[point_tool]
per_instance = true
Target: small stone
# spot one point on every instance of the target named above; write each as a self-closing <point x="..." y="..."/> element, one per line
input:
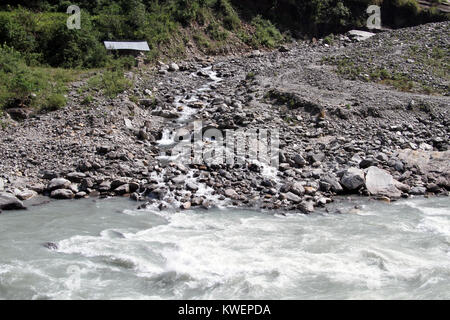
<point x="192" y="187"/>
<point x="174" y="67"/>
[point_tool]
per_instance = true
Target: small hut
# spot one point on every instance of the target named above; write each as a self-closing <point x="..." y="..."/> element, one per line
<point x="127" y="47"/>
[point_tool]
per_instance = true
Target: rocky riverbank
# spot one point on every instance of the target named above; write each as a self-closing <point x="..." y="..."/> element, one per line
<point x="337" y="136"/>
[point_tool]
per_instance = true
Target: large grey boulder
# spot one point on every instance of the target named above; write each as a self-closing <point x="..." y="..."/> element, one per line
<point x="353" y="179"/>
<point x="58" y="183"/>
<point x="380" y="183"/>
<point x="10" y="202"/>
<point x="2" y="185"/>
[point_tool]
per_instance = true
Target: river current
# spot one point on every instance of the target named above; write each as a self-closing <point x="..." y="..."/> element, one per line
<point x="106" y="249"/>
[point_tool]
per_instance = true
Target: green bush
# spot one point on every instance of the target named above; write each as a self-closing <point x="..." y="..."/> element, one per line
<point x="266" y="34"/>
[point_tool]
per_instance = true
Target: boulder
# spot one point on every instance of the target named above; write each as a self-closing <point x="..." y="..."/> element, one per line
<point x="26" y="194"/>
<point x="306" y="207"/>
<point x="418" y="191"/>
<point x="297" y="189"/>
<point x="2" y="185"/>
<point x="58" y="183"/>
<point x="292" y="197"/>
<point x="62" y="194"/>
<point x="230" y="193"/>
<point x="380" y="183"/>
<point x="10" y="202"/>
<point x="123" y="189"/>
<point x="353" y="179"/>
<point x="76" y="176"/>
<point x="333" y="182"/>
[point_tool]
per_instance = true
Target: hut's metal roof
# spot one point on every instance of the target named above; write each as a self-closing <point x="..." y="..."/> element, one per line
<point x="127" y="45"/>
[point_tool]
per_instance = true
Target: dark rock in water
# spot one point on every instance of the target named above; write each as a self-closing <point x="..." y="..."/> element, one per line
<point x="62" y="194"/>
<point x="353" y="179"/>
<point x="58" y="183"/>
<point x="123" y="189"/>
<point x="10" y="202"/>
<point x="51" y="246"/>
<point x="145" y="205"/>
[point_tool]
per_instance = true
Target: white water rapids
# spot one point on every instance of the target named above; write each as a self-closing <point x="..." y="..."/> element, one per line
<point x="109" y="250"/>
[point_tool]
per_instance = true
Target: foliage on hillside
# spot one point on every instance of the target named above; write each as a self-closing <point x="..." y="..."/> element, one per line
<point x="35" y="38"/>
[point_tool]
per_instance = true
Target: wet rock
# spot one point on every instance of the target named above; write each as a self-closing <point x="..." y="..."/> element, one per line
<point x="26" y="194"/>
<point x="192" y="187"/>
<point x="62" y="194"/>
<point x="186" y="206"/>
<point x="123" y="189"/>
<point x="179" y="180"/>
<point x="333" y="183"/>
<point x="80" y="195"/>
<point x="58" y="183"/>
<point x="51" y="245"/>
<point x="402" y="187"/>
<point x="418" y="191"/>
<point x="306" y="207"/>
<point x="353" y="179"/>
<point x="10" y="202"/>
<point x="380" y="183"/>
<point x="230" y="193"/>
